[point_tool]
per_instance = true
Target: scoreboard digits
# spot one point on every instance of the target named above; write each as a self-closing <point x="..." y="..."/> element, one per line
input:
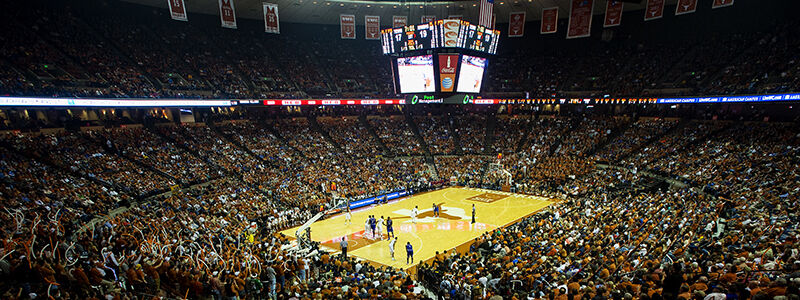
<point x="439" y="34"/>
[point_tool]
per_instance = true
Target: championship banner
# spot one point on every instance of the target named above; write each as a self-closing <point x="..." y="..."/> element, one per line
<point x="460" y="17"/>
<point x="721" y="3"/>
<point x="654" y="10"/>
<point x="613" y="13"/>
<point x="347" y="26"/>
<point x="399" y="21"/>
<point x="580" y="19"/>
<point x="516" y="24"/>
<point x="227" y="14"/>
<point x="372" y="24"/>
<point x="447" y="71"/>
<point x="549" y="20"/>
<point x="685" y="7"/>
<point x="177" y="10"/>
<point x="428" y="19"/>
<point x="271" y="21"/>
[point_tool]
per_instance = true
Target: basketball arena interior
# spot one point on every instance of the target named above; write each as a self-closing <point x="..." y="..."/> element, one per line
<point x="400" y="149"/>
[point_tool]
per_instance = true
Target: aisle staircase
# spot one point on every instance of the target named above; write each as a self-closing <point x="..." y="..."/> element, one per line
<point x="236" y="143"/>
<point x="451" y="125"/>
<point x="312" y="121"/>
<point x="615" y="132"/>
<point x="371" y="130"/>
<point x="283" y="140"/>
<point x="418" y="136"/>
<point x="488" y="140"/>
<point x="526" y="131"/>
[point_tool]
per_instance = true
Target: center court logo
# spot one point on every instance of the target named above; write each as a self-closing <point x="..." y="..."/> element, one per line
<point x="426" y="215"/>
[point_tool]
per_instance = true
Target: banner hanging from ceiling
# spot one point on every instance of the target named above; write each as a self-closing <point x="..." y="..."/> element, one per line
<point x="372" y="27"/>
<point x="685" y="7"/>
<point x="613" y="13"/>
<point x="580" y="19"/>
<point x="721" y="3"/>
<point x="177" y="10"/>
<point x="399" y="21"/>
<point x="516" y="24"/>
<point x="271" y="21"/>
<point x="549" y="20"/>
<point x="227" y="13"/>
<point x="654" y="10"/>
<point x="347" y="26"/>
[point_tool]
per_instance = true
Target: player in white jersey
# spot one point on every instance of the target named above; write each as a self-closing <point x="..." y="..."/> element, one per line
<point x="414" y="213"/>
<point x="367" y="232"/>
<point x="347" y="217"/>
<point x="378" y="230"/>
<point x="391" y="246"/>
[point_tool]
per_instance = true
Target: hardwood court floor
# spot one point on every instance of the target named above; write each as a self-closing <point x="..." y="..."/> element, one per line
<point x="493" y="210"/>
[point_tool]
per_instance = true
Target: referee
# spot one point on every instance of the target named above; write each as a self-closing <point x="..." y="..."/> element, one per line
<point x="343" y="244"/>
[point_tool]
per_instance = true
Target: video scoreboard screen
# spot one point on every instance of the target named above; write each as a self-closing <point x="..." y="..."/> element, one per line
<point x="439" y="74"/>
<point x="416" y="74"/>
<point x="470" y="78"/>
<point x="448" y="33"/>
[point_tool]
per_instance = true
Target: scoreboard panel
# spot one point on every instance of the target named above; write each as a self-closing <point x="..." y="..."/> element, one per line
<point x="480" y="38"/>
<point x="447" y="33"/>
<point x="410" y="38"/>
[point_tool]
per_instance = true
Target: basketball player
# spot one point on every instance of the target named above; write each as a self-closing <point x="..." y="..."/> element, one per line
<point x="347" y="216"/>
<point x="409" y="253"/>
<point x="391" y="247"/>
<point x="366" y="229"/>
<point x="372" y="224"/>
<point x="435" y="210"/>
<point x="378" y="229"/>
<point x="389" y="228"/>
<point x="414" y="213"/>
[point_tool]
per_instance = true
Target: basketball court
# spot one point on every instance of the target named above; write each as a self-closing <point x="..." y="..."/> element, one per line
<point x="451" y="229"/>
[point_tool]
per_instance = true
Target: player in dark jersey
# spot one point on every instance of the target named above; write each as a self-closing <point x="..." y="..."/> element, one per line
<point x="409" y="253"/>
<point x="389" y="228"/>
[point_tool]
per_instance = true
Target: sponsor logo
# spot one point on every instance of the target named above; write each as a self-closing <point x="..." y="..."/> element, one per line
<point x="447" y="83"/>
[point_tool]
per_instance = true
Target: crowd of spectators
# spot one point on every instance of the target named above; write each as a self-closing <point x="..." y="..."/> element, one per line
<point x="143" y="145"/>
<point x="471" y="130"/>
<point x="395" y="133"/>
<point x="635" y="136"/>
<point x="609" y="242"/>
<point x="84" y="152"/>
<point x="513" y="130"/>
<point x="466" y="169"/>
<point x="743" y="160"/>
<point x="352" y="136"/>
<point x="437" y="133"/>
<point x="612" y="232"/>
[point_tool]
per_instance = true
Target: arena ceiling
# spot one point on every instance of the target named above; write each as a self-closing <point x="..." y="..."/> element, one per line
<point x="328" y="11"/>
